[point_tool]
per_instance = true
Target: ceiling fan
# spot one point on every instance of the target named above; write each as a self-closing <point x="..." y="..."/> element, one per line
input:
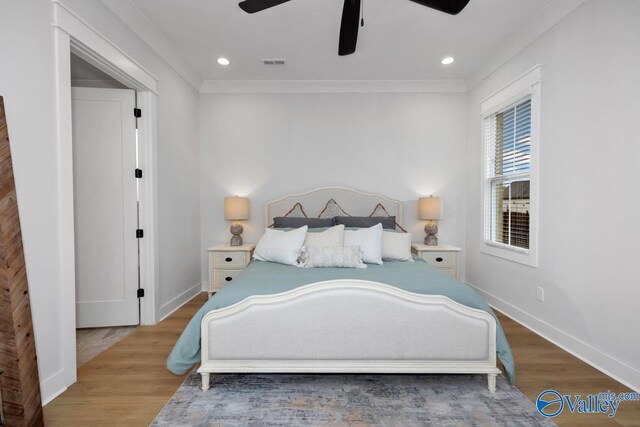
<point x="351" y="16"/>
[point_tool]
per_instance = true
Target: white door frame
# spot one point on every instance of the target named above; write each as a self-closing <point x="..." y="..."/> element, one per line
<point x="73" y="34"/>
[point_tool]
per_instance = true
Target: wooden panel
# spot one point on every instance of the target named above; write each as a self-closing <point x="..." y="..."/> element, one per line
<point x="19" y="383"/>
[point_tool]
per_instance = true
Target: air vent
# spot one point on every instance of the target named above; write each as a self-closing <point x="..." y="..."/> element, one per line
<point x="273" y="61"/>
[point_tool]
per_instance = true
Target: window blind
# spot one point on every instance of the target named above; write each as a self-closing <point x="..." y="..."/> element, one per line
<point x="508" y="169"/>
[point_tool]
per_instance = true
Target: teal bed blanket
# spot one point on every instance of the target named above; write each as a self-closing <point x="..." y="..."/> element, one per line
<point x="262" y="278"/>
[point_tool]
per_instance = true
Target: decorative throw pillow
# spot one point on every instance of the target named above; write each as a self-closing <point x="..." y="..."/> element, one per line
<point x="333" y="256"/>
<point x="297" y="211"/>
<point x="388" y="222"/>
<point x="280" y="246"/>
<point x="333" y="236"/>
<point x="331" y="209"/>
<point x="297" y="222"/>
<point x="396" y="246"/>
<point x="379" y="210"/>
<point x="369" y="240"/>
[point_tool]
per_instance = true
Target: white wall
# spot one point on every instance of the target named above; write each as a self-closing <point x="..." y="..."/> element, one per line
<point x="26" y="83"/>
<point x="590" y="155"/>
<point x="267" y="145"/>
<point x="27" y="78"/>
<point x="178" y="194"/>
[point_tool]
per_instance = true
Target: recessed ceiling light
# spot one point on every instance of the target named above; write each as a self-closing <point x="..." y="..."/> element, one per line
<point x="223" y="61"/>
<point x="448" y="60"/>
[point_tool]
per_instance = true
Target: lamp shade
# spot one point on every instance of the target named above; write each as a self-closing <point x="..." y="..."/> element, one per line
<point x="429" y="207"/>
<point x="236" y="208"/>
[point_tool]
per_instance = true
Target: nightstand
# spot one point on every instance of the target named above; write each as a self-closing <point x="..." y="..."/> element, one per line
<point x="442" y="257"/>
<point x="226" y="262"/>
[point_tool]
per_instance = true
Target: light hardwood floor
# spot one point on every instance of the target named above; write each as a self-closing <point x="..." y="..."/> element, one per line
<point x="541" y="365"/>
<point x="128" y="384"/>
<point x="91" y="342"/>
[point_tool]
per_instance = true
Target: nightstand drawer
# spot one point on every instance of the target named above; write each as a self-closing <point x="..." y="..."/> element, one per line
<point x="223" y="277"/>
<point x="440" y="259"/>
<point x="231" y="260"/>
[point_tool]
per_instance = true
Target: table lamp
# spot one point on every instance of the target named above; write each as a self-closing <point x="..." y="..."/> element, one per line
<point x="429" y="208"/>
<point x="236" y="209"/>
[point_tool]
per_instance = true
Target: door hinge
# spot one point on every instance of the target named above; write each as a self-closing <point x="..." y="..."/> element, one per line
<point x="140" y="293"/>
<point x="139" y="233"/>
<point x="138" y="173"/>
<point x="137" y="113"/>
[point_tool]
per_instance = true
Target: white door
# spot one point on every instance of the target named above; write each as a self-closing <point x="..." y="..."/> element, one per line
<point x="105" y="207"/>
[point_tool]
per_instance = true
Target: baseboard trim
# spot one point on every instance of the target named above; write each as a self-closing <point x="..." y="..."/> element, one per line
<point x="52" y="387"/>
<point x="605" y="363"/>
<point x="167" y="309"/>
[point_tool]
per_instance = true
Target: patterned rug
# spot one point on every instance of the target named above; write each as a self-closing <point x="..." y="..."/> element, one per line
<point x="348" y="400"/>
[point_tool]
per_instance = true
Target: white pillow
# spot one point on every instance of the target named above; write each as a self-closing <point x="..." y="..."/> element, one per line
<point x="333" y="236"/>
<point x="369" y="240"/>
<point x="396" y="246"/>
<point x="280" y="246"/>
<point x="333" y="256"/>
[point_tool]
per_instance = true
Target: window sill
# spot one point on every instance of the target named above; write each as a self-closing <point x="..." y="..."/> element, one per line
<point x="510" y="253"/>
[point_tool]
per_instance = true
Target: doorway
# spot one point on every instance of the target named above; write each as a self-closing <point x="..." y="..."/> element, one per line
<point x="73" y="35"/>
<point x="105" y="192"/>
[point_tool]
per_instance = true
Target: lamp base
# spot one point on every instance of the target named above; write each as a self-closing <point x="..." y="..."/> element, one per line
<point x="431" y="228"/>
<point x="431" y="240"/>
<point x="236" y="229"/>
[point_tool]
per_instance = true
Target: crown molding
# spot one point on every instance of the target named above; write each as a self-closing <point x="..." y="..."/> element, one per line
<point x="149" y="33"/>
<point x="529" y="33"/>
<point x="333" y="86"/>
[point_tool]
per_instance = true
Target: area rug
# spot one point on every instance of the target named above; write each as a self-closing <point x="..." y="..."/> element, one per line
<point x="348" y="400"/>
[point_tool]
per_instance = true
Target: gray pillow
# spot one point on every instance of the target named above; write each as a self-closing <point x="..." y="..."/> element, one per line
<point x="388" y="222"/>
<point x="297" y="222"/>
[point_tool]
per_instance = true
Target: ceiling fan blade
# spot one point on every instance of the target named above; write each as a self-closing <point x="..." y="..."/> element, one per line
<point x="452" y="7"/>
<point x="253" y="6"/>
<point x="349" y="27"/>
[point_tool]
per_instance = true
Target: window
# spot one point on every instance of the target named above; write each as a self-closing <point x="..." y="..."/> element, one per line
<point x="508" y="151"/>
<point x="511" y="119"/>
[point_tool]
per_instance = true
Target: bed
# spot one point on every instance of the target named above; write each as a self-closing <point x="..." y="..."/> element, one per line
<point x="399" y="317"/>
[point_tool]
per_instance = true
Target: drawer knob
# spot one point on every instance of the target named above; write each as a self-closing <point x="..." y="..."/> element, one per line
<point x="228" y="279"/>
<point x="439" y="259"/>
<point x="228" y="259"/>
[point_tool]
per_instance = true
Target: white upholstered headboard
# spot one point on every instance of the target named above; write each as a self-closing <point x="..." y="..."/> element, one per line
<point x="353" y="202"/>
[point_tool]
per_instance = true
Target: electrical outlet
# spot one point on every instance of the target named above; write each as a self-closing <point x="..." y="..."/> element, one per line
<point x="540" y="293"/>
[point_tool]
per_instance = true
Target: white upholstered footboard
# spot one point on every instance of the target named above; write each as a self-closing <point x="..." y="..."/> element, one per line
<point x="350" y="326"/>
